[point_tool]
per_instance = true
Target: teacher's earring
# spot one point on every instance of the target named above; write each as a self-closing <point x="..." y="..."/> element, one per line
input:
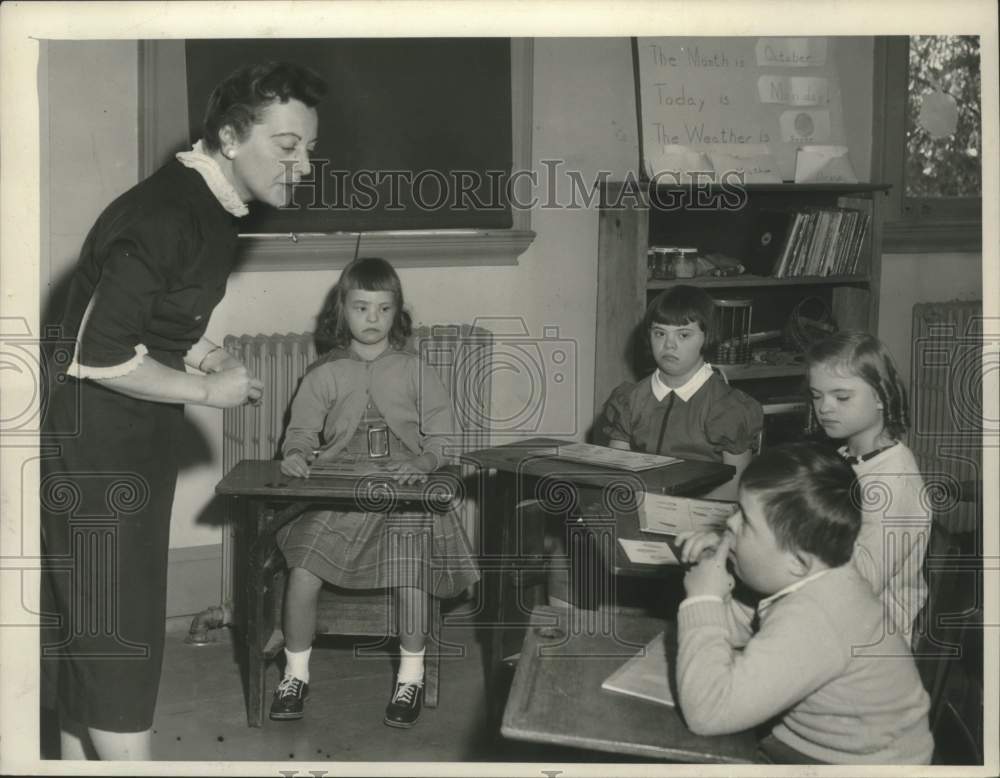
<point x="230" y="153"/>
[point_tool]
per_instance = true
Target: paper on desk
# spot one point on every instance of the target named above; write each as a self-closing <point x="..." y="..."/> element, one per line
<point x="619" y="459"/>
<point x="646" y="675"/>
<point x="648" y="552"/>
<point x="346" y="464"/>
<point x="670" y="515"/>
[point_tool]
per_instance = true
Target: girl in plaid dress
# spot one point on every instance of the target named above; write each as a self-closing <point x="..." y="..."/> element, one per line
<point x="369" y="397"/>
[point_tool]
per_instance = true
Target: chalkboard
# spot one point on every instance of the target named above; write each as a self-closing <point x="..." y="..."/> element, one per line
<point x="413" y="134"/>
<point x="733" y="96"/>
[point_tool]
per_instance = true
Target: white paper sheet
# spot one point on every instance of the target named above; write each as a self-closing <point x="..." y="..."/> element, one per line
<point x="824" y="164"/>
<point x="669" y="515"/>
<point x="648" y="552"/>
<point x="793" y="90"/>
<point x="791" y="52"/>
<point x="603" y="456"/>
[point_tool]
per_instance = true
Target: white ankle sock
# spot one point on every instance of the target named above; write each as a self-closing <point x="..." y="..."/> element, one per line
<point x="411" y="666"/>
<point x="297" y="664"/>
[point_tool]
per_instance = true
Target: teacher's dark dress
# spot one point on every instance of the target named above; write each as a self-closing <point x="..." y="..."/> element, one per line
<point x="151" y="271"/>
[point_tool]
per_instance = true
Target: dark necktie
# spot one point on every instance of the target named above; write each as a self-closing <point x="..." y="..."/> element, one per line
<point x="663" y="424"/>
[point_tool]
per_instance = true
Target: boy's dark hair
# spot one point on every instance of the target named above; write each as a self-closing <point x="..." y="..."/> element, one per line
<point x="865" y="356"/>
<point x="682" y="305"/>
<point x="372" y="274"/>
<point x="238" y="99"/>
<point x="810" y="498"/>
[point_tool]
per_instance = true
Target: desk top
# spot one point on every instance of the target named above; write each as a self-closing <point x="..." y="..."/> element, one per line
<point x="263" y="478"/>
<point x="557" y="699"/>
<point x="535" y="458"/>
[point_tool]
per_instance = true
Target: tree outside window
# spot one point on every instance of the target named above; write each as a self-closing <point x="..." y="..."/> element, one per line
<point x="929" y="88"/>
<point x="943" y="138"/>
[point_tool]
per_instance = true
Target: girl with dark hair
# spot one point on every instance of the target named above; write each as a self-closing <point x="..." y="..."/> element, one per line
<point x="370" y="398"/>
<point x="372" y="275"/>
<point x="151" y="271"/>
<point x="685" y="408"/>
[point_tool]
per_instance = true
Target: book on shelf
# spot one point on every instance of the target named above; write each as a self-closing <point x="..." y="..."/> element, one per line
<point x="646" y="675"/>
<point x="823" y="242"/>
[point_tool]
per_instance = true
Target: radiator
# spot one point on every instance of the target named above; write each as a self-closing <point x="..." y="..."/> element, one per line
<point x="946" y="406"/>
<point x="255" y="432"/>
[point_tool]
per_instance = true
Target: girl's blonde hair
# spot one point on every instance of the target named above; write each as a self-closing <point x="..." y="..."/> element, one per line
<point x="867" y="357"/>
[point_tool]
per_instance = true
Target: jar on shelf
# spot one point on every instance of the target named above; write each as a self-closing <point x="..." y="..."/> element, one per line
<point x="659" y="263"/>
<point x="685" y="262"/>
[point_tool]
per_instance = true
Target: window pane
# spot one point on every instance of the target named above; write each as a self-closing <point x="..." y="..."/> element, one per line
<point x="943" y="139"/>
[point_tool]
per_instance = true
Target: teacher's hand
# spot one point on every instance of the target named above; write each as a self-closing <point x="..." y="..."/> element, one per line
<point x="232" y="387"/>
<point x="256" y="391"/>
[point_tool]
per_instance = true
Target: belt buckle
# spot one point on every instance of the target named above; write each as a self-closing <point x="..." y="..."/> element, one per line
<point x="378" y="441"/>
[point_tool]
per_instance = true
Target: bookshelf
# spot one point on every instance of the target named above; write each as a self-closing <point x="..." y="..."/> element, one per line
<point x="722" y="219"/>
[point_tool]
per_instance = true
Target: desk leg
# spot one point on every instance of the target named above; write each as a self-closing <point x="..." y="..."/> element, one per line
<point x="498" y="532"/>
<point x="255" y="617"/>
<point x="590" y="545"/>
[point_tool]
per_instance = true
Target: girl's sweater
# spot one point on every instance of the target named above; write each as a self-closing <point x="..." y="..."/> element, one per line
<point x="331" y="402"/>
<point x="895" y="529"/>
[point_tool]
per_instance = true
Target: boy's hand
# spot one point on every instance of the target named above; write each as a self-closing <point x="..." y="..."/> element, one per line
<point x="412" y="471"/>
<point x="295" y="465"/>
<point x="695" y="543"/>
<point x="709" y="576"/>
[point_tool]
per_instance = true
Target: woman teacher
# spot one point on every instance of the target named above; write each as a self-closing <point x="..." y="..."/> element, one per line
<point x="150" y="273"/>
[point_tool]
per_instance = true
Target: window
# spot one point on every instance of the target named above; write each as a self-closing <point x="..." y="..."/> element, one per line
<point x="930" y="145"/>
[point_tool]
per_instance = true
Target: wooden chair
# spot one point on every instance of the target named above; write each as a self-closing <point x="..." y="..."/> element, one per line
<point x="461" y="355"/>
<point x="947" y="643"/>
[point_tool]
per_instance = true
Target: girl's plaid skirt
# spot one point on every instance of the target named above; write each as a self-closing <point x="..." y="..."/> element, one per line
<point x="367" y="550"/>
<point x="363" y="550"/>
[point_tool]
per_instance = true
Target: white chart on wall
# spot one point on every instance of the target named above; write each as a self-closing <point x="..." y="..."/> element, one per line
<point x="737" y="93"/>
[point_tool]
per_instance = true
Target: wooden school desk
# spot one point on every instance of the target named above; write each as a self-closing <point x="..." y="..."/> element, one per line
<point x="272" y="500"/>
<point x="556" y="697"/>
<point x="511" y="552"/>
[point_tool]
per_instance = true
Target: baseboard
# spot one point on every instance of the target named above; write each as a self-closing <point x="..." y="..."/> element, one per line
<point x="194" y="579"/>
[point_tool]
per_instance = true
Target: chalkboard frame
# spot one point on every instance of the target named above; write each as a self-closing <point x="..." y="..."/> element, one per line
<point x="163" y="129"/>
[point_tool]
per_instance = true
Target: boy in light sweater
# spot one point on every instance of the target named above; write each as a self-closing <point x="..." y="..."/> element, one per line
<point x="814" y="656"/>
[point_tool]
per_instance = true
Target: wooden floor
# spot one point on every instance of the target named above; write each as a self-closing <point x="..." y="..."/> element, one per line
<point x="200" y="714"/>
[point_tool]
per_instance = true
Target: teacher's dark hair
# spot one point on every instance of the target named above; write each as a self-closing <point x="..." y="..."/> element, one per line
<point x="238" y="100"/>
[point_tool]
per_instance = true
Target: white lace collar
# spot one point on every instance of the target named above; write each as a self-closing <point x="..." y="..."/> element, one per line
<point x="215" y="178"/>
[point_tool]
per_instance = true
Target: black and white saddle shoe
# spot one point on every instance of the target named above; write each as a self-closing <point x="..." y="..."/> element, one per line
<point x="404" y="707"/>
<point x="288" y="699"/>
